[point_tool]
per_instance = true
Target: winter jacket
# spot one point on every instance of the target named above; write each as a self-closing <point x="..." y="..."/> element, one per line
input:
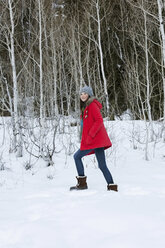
<point x="94" y="134"/>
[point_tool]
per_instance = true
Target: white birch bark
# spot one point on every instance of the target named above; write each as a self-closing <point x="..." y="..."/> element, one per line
<point x="160" y="10"/>
<point x="55" y="111"/>
<point x="75" y="66"/>
<point x="148" y="90"/>
<point x="79" y="60"/>
<point x="16" y="126"/>
<point x="101" y="57"/>
<point x="147" y="69"/>
<point x="41" y="81"/>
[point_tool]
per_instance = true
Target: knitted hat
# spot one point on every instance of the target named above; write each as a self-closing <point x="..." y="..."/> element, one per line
<point x="86" y="89"/>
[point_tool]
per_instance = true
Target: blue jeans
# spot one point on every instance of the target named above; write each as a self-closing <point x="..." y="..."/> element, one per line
<point x="100" y="155"/>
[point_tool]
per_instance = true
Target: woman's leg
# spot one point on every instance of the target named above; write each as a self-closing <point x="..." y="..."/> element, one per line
<point x="100" y="155"/>
<point x="77" y="157"/>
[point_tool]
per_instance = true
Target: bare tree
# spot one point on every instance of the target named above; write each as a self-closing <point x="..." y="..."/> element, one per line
<point x="13" y="97"/>
<point x="161" y="7"/>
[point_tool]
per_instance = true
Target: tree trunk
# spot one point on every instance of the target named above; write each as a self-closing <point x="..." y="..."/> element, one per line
<point x="160" y="10"/>
<point x="101" y="58"/>
<point x="42" y="121"/>
<point x="16" y="125"/>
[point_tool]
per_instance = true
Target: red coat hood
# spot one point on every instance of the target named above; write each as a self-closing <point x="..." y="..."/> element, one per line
<point x="93" y="99"/>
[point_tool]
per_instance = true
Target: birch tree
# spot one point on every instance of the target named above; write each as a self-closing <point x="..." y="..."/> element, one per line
<point x="42" y="119"/>
<point x="98" y="20"/>
<point x="161" y="6"/>
<point x="10" y="42"/>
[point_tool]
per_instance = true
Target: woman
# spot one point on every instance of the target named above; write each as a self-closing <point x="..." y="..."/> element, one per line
<point x="94" y="139"/>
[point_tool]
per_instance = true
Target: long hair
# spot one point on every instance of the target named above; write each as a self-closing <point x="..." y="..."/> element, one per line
<point x="83" y="106"/>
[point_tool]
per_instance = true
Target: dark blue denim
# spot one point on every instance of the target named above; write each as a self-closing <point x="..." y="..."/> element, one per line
<point x="100" y="155"/>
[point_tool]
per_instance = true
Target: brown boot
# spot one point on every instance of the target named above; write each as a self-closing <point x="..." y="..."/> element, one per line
<point x="113" y="187"/>
<point x="81" y="184"/>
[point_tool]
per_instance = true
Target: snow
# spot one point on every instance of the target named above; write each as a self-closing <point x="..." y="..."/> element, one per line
<point x="37" y="210"/>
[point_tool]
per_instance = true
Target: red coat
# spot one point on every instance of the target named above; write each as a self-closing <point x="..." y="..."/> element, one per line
<point x="94" y="134"/>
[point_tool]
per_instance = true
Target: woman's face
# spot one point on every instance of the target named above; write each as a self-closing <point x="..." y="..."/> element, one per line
<point x="84" y="96"/>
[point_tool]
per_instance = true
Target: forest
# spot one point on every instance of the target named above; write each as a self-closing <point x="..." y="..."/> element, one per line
<point x="50" y="49"/>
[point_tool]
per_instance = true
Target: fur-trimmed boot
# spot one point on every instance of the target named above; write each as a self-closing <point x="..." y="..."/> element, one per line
<point x="113" y="187"/>
<point x="81" y="183"/>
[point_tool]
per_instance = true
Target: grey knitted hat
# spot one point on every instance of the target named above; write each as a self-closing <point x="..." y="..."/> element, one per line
<point x="86" y="89"/>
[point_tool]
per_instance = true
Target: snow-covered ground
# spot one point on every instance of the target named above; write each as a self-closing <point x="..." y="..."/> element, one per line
<point x="37" y="210"/>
